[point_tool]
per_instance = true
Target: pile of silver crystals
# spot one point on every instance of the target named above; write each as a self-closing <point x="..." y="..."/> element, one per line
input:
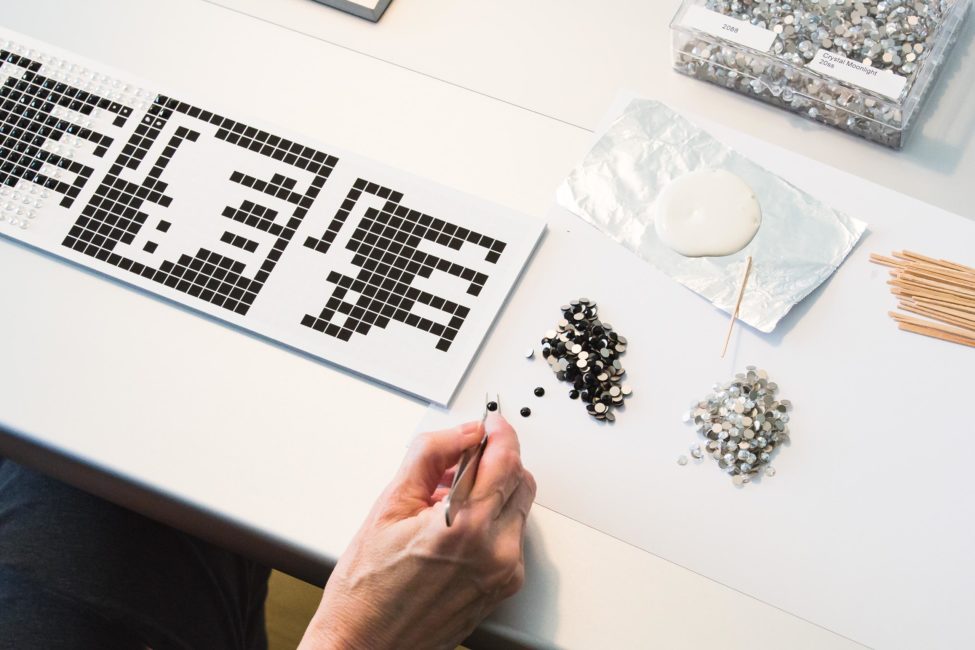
<point x="908" y="38"/>
<point x="743" y="422"/>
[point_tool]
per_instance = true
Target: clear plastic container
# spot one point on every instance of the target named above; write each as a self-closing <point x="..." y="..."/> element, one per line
<point x="864" y="66"/>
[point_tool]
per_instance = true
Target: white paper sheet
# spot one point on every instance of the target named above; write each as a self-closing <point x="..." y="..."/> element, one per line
<point x="866" y="529"/>
<point x="388" y="275"/>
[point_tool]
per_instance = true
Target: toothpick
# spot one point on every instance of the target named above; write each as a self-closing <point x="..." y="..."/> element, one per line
<point x="936" y="334"/>
<point x="734" y="314"/>
<point x="960" y="331"/>
<point x="931" y="260"/>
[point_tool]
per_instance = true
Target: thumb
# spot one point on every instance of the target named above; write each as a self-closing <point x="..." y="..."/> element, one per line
<point x="430" y="455"/>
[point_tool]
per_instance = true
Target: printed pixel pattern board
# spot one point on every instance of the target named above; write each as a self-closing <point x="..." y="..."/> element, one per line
<point x="388" y="275"/>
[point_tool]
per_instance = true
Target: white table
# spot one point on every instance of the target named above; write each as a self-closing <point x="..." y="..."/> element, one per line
<point x="279" y="456"/>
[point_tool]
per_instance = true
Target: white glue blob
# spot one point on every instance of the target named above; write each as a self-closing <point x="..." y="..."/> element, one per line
<point x="707" y="213"/>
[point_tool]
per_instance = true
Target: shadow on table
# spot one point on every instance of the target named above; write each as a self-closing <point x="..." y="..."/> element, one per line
<point x="535" y="607"/>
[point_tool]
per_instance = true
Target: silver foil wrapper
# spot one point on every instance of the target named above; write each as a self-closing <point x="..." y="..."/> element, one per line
<point x="800" y="243"/>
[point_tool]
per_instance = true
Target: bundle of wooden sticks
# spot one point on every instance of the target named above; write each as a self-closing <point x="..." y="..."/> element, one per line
<point x="941" y="291"/>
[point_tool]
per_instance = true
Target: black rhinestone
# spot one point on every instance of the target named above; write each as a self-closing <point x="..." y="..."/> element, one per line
<point x="539" y="391"/>
<point x="525" y="412"/>
<point x="492" y="406"/>
<point x="573" y="394"/>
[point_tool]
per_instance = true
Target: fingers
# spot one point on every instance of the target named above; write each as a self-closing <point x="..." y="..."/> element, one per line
<point x="510" y="524"/>
<point x="513" y="585"/>
<point x="448" y="477"/>
<point x="439" y="494"/>
<point x="430" y="456"/>
<point x="500" y="471"/>
<point x="509" y="544"/>
<point x="515" y="511"/>
<point x="501" y="432"/>
<point x="443" y="488"/>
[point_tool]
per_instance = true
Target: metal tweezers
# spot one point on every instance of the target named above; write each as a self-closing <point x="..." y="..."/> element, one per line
<point x="466" y="472"/>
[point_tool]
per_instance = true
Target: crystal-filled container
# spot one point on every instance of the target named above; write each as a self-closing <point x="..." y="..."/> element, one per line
<point x="864" y="66"/>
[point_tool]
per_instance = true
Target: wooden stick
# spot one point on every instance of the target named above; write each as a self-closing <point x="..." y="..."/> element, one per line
<point x="936" y="289"/>
<point x="940" y="276"/>
<point x="943" y="266"/>
<point x="931" y="260"/>
<point x="947" y="329"/>
<point x="957" y="310"/>
<point x="898" y="288"/>
<point x="954" y="265"/>
<point x="955" y="313"/>
<point x="886" y="261"/>
<point x="925" y="268"/>
<point x="951" y="320"/>
<point x="910" y="255"/>
<point x="933" y="273"/>
<point x="952" y="284"/>
<point x="940" y="268"/>
<point x="944" y="293"/>
<point x="734" y="314"/>
<point x="934" y="285"/>
<point x="933" y="295"/>
<point x="907" y="327"/>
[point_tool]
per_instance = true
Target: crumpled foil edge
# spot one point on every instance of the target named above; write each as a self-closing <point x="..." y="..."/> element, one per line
<point x="800" y="244"/>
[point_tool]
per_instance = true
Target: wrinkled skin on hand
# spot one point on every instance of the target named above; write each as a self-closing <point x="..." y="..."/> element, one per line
<point x="409" y="581"/>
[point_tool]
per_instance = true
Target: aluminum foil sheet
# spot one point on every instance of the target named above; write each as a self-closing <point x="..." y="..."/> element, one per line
<point x="800" y="243"/>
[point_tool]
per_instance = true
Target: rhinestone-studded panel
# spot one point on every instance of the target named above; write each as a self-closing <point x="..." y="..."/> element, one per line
<point x="57" y="119"/>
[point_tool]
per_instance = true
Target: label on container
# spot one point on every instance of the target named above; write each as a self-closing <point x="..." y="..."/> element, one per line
<point x="882" y="82"/>
<point x="730" y="29"/>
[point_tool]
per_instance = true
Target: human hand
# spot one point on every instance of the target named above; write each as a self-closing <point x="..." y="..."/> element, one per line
<point x="409" y="581"/>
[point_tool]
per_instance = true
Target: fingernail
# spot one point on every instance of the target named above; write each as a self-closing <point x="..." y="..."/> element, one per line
<point x="495" y="417"/>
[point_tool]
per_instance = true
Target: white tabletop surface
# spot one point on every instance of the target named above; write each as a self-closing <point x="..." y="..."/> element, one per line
<point x="493" y="98"/>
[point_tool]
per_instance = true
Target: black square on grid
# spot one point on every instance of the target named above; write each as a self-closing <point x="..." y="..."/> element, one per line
<point x="385" y="244"/>
<point x="150" y="247"/>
